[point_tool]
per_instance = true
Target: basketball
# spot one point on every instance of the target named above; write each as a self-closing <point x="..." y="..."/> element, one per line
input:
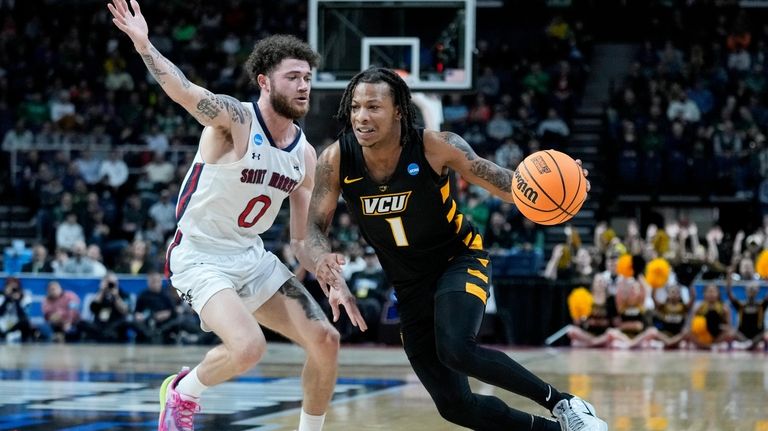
<point x="549" y="187"/>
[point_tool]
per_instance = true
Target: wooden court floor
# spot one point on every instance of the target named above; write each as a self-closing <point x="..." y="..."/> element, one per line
<point x="92" y="388"/>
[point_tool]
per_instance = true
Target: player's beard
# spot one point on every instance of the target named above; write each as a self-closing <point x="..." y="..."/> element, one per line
<point x="282" y="105"/>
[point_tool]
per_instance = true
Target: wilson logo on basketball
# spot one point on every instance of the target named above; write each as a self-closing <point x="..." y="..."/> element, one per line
<point x="540" y="165"/>
<point x="527" y="191"/>
<point x="385" y="204"/>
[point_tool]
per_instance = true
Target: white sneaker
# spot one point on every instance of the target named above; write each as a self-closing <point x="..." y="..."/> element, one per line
<point x="578" y="415"/>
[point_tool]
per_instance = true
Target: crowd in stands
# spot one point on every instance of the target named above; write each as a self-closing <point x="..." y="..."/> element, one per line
<point x="691" y="114"/>
<point x="108" y="315"/>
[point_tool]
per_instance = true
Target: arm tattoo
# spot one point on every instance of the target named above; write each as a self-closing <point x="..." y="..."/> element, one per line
<point x="210" y="106"/>
<point x="458" y="142"/>
<point x="499" y="177"/>
<point x="154" y="69"/>
<point x="236" y="109"/>
<point x="319" y="223"/>
<point x="494" y="174"/>
<point x="294" y="290"/>
<point x="323" y="173"/>
<point x="154" y="58"/>
<point x="179" y="74"/>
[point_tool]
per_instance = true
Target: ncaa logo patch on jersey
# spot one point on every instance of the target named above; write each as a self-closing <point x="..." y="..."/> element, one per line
<point x="258" y="139"/>
<point x="413" y="169"/>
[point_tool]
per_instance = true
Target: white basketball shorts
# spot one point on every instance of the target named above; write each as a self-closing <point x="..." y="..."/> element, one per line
<point x="255" y="274"/>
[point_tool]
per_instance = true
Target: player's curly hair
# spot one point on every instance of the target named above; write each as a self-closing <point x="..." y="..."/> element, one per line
<point x="270" y="51"/>
<point x="399" y="90"/>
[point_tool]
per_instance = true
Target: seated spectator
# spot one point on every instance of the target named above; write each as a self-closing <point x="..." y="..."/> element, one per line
<point x="671" y="316"/>
<point x="155" y="314"/>
<point x="69" y="232"/>
<point x="156" y="140"/>
<point x="14" y="321"/>
<point x="114" y="171"/>
<point x="63" y="112"/>
<point x="135" y="259"/>
<point x="134" y="215"/>
<point x="345" y="231"/>
<point x="353" y="254"/>
<point x="751" y="330"/>
<point x="681" y="108"/>
<point x="88" y="167"/>
<point x="716" y="316"/>
<point x="79" y="263"/>
<point x="163" y="212"/>
<point x="455" y="114"/>
<point x="39" y="263"/>
<point x="159" y="171"/>
<point x="500" y="127"/>
<point x="61" y="309"/>
<point x="553" y="131"/>
<point x="509" y="154"/>
<point x="498" y="234"/>
<point x="94" y="253"/>
<point x="630" y="320"/>
<point x="110" y="311"/>
<point x="17" y="138"/>
<point x="592" y="331"/>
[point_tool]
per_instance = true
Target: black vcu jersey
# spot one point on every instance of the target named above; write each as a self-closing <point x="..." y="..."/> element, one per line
<point x="411" y="220"/>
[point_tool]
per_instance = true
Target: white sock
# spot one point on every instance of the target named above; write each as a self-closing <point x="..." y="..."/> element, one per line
<point x="190" y="385"/>
<point x="309" y="422"/>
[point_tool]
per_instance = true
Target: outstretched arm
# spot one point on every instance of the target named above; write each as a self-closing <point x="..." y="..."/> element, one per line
<point x="300" y="201"/>
<point x="318" y="253"/>
<point x="451" y="150"/>
<point x="209" y="109"/>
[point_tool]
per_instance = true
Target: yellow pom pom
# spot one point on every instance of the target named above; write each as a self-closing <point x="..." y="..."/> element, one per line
<point x="624" y="266"/>
<point x="580" y="303"/>
<point x="699" y="330"/>
<point x="761" y="264"/>
<point x="657" y="272"/>
<point x="661" y="242"/>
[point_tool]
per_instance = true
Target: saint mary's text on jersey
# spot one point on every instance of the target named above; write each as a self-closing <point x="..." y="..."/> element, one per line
<point x="276" y="180"/>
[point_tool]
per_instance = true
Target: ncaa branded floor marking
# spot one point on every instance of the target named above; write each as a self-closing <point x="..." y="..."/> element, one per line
<point x="38" y="400"/>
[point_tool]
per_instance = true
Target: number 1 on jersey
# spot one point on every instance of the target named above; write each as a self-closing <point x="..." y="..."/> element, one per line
<point x="398" y="231"/>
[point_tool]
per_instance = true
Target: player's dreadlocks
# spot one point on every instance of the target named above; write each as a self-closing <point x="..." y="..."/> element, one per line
<point x="399" y="91"/>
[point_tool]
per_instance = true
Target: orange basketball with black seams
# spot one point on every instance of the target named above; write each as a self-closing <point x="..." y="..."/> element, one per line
<point x="549" y="187"/>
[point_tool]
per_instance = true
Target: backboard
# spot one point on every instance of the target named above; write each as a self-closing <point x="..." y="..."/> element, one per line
<point x="430" y="42"/>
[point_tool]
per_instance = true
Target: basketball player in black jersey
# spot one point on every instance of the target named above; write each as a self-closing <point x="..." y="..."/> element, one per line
<point x="394" y="179"/>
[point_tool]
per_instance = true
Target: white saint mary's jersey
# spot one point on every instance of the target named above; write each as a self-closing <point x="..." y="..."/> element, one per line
<point x="224" y="207"/>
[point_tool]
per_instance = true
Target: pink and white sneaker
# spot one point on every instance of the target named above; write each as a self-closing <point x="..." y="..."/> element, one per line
<point x="176" y="413"/>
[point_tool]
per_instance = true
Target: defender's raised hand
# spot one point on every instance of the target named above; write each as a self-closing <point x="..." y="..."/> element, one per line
<point x="131" y="23"/>
<point x="341" y="296"/>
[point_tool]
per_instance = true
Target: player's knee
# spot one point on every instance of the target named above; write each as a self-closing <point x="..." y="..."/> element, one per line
<point x="455" y="352"/>
<point x="325" y="339"/>
<point x="451" y="408"/>
<point x="248" y="354"/>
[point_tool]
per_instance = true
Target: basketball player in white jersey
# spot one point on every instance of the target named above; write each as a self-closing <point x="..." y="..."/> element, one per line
<point x="250" y="159"/>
